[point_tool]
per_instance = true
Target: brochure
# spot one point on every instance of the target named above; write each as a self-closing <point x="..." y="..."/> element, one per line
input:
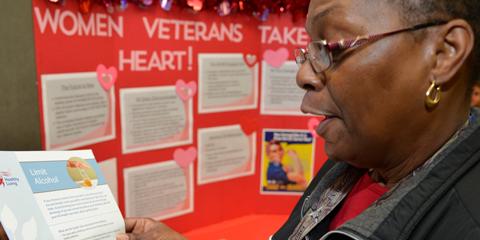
<point x="56" y="195"/>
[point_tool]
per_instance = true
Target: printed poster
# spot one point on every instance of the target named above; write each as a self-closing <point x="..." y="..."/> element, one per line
<point x="287" y="161"/>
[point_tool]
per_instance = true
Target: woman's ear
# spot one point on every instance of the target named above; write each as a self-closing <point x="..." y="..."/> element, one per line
<point x="452" y="49"/>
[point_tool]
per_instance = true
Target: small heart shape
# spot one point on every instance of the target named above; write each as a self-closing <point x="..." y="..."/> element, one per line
<point x="312" y="125"/>
<point x="249" y="125"/>
<point x="250" y="60"/>
<point x="106" y="77"/>
<point x="185" y="90"/>
<point x="197" y="5"/>
<point x="276" y="58"/>
<point x="185" y="157"/>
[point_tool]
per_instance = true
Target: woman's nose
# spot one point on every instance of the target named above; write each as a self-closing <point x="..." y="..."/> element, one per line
<point x="307" y="79"/>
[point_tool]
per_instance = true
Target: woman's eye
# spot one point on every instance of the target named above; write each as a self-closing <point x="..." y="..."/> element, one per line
<point x="337" y="54"/>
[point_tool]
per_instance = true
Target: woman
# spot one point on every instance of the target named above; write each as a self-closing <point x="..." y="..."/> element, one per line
<point x="402" y="138"/>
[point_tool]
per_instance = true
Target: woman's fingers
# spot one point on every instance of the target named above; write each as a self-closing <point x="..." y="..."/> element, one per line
<point x="147" y="229"/>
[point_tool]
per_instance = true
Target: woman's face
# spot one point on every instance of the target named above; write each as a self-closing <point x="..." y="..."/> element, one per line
<point x="373" y="95"/>
<point x="275" y="153"/>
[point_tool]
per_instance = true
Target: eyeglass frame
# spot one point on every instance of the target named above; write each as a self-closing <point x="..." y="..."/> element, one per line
<point x="303" y="54"/>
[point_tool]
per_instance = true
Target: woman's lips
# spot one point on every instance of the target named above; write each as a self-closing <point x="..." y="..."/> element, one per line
<point x="322" y="127"/>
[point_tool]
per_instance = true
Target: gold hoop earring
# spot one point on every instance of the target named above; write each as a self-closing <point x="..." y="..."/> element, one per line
<point x="433" y="95"/>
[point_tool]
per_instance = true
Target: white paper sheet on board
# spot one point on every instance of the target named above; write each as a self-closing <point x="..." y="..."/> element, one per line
<point x="77" y="111"/>
<point x="280" y="93"/>
<point x="160" y="191"/>
<point x="109" y="169"/>
<point x="154" y="118"/>
<point x="225" y="153"/>
<point x="226" y="83"/>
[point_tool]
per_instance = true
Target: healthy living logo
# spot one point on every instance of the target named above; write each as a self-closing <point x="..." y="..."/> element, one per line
<point x="6" y="179"/>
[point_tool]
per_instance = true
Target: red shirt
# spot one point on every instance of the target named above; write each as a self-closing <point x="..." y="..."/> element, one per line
<point x="363" y="194"/>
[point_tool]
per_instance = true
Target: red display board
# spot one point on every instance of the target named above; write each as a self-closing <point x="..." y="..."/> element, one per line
<point x="138" y="50"/>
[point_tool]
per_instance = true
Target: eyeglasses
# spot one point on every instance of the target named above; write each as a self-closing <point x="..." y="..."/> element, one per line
<point x="320" y="53"/>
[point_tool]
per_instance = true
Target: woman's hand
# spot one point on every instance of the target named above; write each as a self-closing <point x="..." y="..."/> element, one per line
<point x="148" y="229"/>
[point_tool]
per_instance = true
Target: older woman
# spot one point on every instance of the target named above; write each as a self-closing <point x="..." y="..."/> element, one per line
<point x="392" y="79"/>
